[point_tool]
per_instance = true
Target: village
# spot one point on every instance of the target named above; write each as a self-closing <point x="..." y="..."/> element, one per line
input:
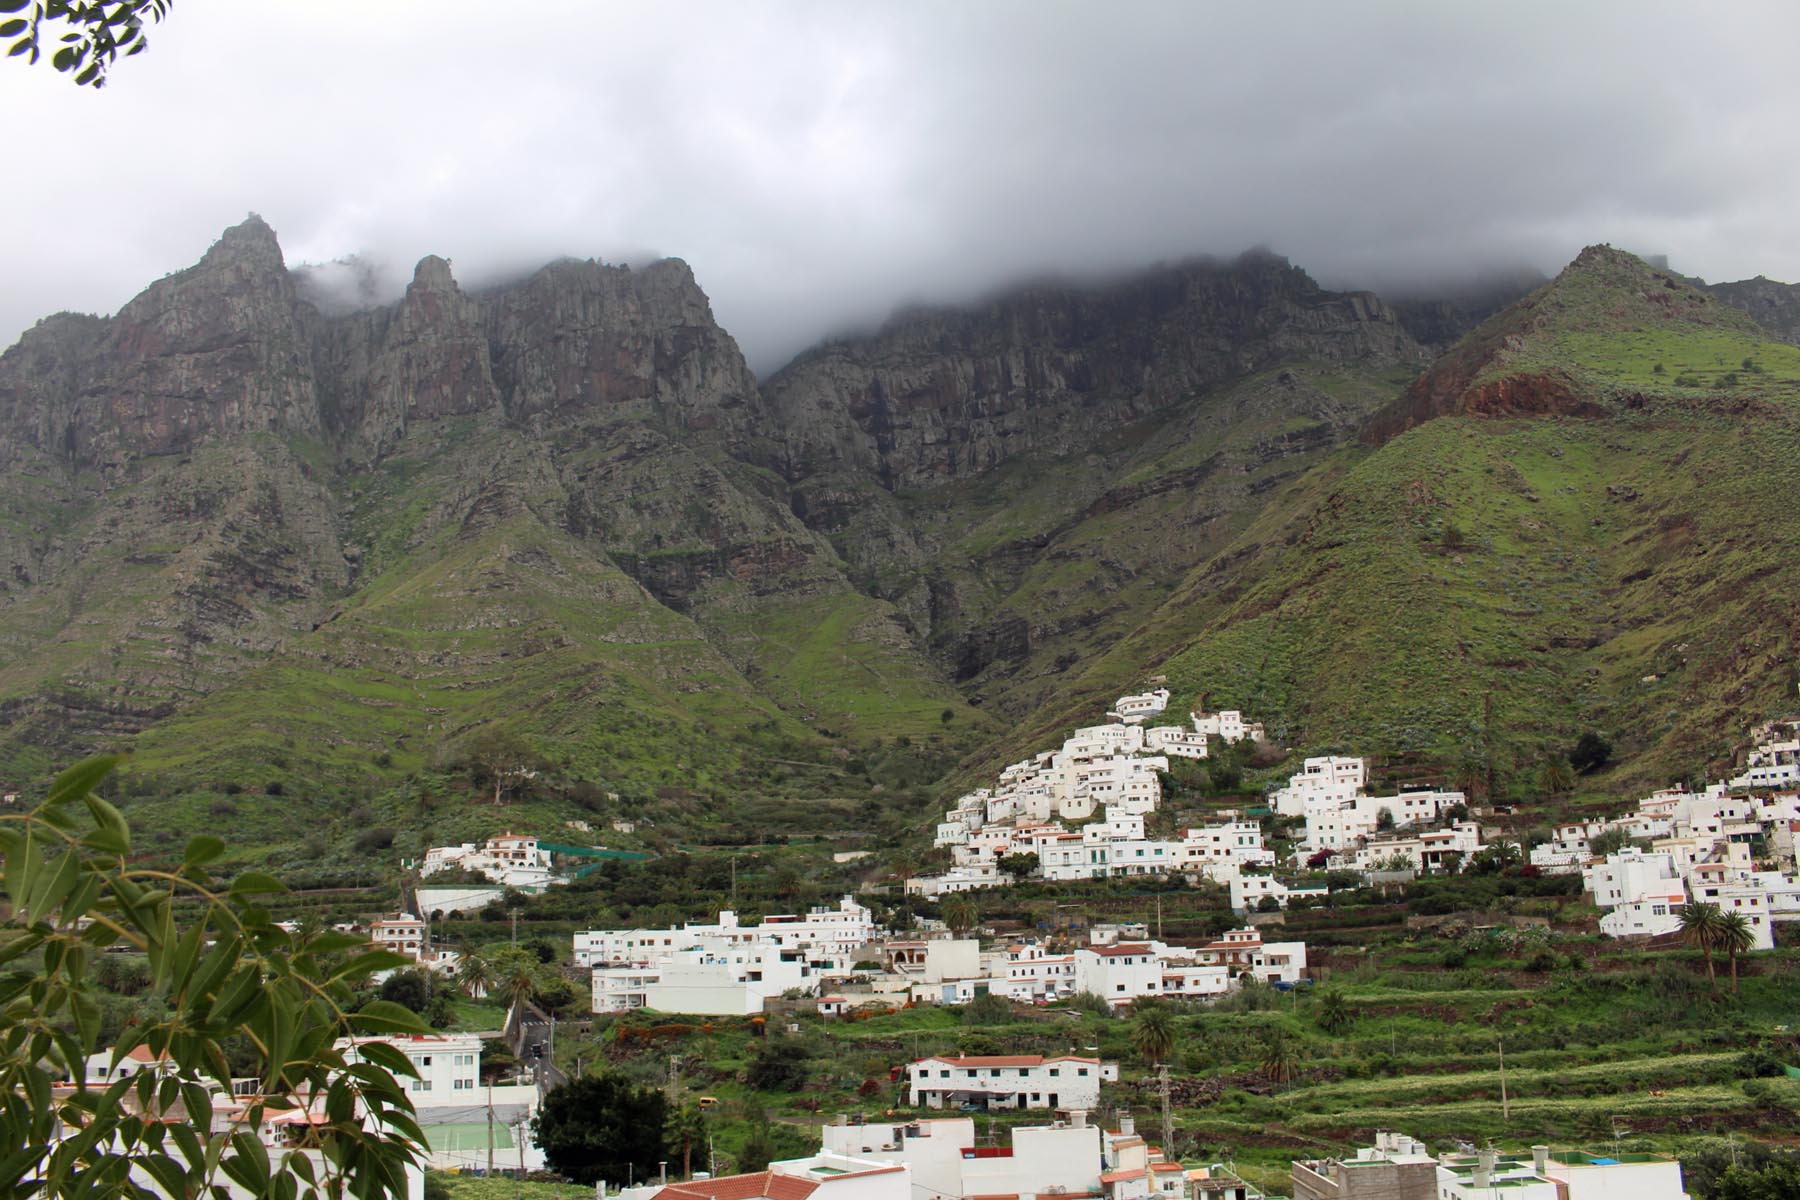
<point x="1066" y="816"/>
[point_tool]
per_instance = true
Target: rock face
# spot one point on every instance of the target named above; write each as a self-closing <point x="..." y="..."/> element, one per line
<point x="1771" y="304"/>
<point x="944" y="396"/>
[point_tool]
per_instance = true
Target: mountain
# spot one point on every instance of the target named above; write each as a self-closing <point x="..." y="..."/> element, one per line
<point x="321" y="555"/>
<point x="1575" y="519"/>
<point x="270" y="546"/>
<point x="1773" y="305"/>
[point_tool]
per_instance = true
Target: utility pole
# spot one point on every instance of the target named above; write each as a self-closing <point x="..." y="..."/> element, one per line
<point x="514" y="913"/>
<point x="1168" y="1121"/>
<point x="1505" y="1112"/>
<point x="490" y="1107"/>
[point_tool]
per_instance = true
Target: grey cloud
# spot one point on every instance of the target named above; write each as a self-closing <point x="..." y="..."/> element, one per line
<point x="818" y="164"/>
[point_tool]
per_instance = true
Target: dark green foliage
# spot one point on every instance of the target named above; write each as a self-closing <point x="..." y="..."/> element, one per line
<point x="781" y="1064"/>
<point x="987" y="1009"/>
<point x="1018" y="865"/>
<point x="89" y="35"/>
<point x="602" y="1127"/>
<point x="1759" y="1064"/>
<point x="1590" y="753"/>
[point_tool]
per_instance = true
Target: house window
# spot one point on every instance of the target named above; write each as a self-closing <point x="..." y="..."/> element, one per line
<point x="464" y="1084"/>
<point x="421" y="1085"/>
<point x="1081" y="1071"/>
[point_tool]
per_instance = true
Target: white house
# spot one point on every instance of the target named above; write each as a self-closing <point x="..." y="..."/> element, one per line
<point x="1644" y="893"/>
<point x="719" y="978"/>
<point x="1120" y="974"/>
<point x="1058" y="1159"/>
<point x="1134" y="709"/>
<point x="1328" y="778"/>
<point x="1228" y="726"/>
<point x="1008" y="1081"/>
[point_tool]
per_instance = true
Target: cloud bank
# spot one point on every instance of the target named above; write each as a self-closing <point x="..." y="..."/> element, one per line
<point x="821" y="164"/>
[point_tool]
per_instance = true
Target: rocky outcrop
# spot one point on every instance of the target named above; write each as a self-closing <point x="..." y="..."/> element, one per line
<point x="1771" y="304"/>
<point x="221" y="348"/>
<point x="946" y="395"/>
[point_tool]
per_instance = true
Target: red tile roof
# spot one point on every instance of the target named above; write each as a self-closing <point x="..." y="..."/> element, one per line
<point x="759" y="1185"/>
<point x="1121" y="1176"/>
<point x="1114" y="951"/>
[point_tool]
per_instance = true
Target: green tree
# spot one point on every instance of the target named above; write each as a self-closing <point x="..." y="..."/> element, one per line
<point x="960" y="914"/>
<point x="498" y="759"/>
<point x="228" y="984"/>
<point x="1278" y="1060"/>
<point x="473" y="974"/>
<point x="1018" y="865"/>
<point x="602" y="1127"/>
<point x="1334" y="1011"/>
<point x="1556" y="777"/>
<point x="687" y="1132"/>
<point x="1153" y="1032"/>
<point x="517" y="985"/>
<point x="91" y="34"/>
<point x="759" y="1146"/>
<point x="1701" y="927"/>
<point x="1590" y="753"/>
<point x="1735" y="938"/>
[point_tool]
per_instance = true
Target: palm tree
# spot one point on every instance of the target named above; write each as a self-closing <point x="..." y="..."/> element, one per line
<point x="960" y="914"/>
<point x="1735" y="938"/>
<point x="1556" y="776"/>
<point x="1278" y="1058"/>
<point x="473" y="975"/>
<point x="1701" y="926"/>
<point x="518" y="985"/>
<point x="1153" y="1032"/>
<point x="687" y="1129"/>
<point x="1334" y="1013"/>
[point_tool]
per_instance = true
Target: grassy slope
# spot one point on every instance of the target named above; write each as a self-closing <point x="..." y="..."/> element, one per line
<point x="1486" y="588"/>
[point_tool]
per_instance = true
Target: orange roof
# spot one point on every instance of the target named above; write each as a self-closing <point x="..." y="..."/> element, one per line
<point x="1121" y="1176"/>
<point x="1111" y="951"/>
<point x="759" y="1185"/>
<point x="1165" y="1166"/>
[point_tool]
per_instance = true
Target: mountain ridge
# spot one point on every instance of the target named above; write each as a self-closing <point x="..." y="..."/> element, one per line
<point x="566" y="508"/>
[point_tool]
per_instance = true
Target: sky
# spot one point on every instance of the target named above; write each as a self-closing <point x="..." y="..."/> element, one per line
<point x="820" y="164"/>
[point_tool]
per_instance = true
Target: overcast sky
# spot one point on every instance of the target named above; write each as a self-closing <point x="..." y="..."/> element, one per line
<point x="819" y="164"/>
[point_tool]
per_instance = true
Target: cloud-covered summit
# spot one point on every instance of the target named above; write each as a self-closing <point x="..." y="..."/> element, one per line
<point x="820" y="165"/>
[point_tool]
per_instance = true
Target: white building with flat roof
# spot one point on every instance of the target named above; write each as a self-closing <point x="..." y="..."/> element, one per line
<point x="1008" y="1081"/>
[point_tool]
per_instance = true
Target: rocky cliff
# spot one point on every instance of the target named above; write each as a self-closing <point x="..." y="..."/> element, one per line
<point x="941" y="396"/>
<point x="1771" y="304"/>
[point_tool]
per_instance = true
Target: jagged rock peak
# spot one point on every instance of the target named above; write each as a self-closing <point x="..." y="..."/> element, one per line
<point x="433" y="273"/>
<point x="250" y="241"/>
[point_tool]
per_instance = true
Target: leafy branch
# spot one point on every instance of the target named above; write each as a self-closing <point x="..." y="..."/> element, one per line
<point x="225" y="971"/>
<point x="95" y="32"/>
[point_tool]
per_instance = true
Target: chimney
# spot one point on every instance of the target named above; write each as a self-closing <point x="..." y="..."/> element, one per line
<point x="1484" y="1167"/>
<point x="1078" y="1118"/>
<point x="1540" y="1159"/>
<point x="1127" y="1124"/>
<point x="842" y="1119"/>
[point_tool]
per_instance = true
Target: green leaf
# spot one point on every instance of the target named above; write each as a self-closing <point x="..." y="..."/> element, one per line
<point x="111" y="834"/>
<point x="252" y="883"/>
<point x="389" y="1058"/>
<point x="334" y="940"/>
<point x="85" y="775"/>
<point x="384" y="1016"/>
<point x="368" y="964"/>
<point x="9" y="28"/>
<point x="20" y="48"/>
<point x="9" y="6"/>
<point x="202" y="849"/>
